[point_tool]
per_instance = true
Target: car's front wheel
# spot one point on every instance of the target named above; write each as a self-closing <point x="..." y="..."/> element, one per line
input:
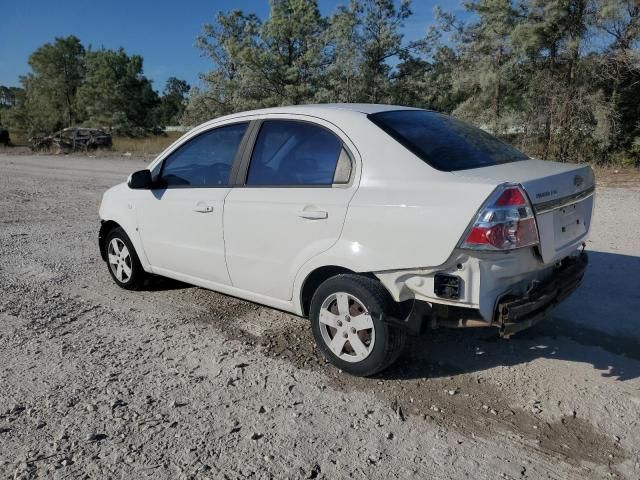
<point x="349" y="315"/>
<point x="122" y="260"/>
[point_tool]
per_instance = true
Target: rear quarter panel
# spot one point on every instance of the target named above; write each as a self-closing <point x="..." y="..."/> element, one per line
<point x="409" y="225"/>
<point x="404" y="213"/>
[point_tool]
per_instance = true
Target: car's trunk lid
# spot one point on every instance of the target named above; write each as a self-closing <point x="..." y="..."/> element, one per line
<point x="562" y="197"/>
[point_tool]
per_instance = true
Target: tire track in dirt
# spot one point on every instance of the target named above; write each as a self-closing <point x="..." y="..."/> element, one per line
<point x="452" y="399"/>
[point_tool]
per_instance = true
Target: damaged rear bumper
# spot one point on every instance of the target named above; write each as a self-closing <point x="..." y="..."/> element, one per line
<point x="514" y="310"/>
<point x="517" y="312"/>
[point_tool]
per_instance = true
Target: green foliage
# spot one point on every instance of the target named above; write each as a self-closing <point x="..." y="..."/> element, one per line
<point x="341" y="77"/>
<point x="171" y="106"/>
<point x="48" y="101"/>
<point x="224" y="42"/>
<point x="258" y="64"/>
<point x="379" y="42"/>
<point x="8" y="101"/>
<point x="287" y="61"/>
<point x="71" y="86"/>
<point x="527" y="70"/>
<point x="298" y="56"/>
<point x="115" y="94"/>
<point x="560" y="78"/>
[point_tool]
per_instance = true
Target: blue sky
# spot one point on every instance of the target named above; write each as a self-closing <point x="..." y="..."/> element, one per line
<point x="162" y="32"/>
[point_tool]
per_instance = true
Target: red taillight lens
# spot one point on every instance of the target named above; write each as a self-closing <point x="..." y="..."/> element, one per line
<point x="511" y="197"/>
<point x="505" y="222"/>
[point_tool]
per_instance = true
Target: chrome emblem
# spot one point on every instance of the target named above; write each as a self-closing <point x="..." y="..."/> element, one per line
<point x="578" y="180"/>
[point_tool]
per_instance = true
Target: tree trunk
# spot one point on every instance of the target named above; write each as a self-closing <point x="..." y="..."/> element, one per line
<point x="498" y="91"/>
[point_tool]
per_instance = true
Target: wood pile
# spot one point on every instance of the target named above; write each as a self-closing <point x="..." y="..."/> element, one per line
<point x="73" y="139"/>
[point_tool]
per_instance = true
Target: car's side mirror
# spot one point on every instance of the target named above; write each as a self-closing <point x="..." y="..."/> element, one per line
<point x="141" y="180"/>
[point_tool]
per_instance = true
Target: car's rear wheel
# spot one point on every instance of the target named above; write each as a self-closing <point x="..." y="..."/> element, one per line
<point x="122" y="260"/>
<point x="349" y="315"/>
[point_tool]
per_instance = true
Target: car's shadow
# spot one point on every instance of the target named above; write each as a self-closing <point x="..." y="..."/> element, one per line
<point x="599" y="325"/>
<point x="156" y="283"/>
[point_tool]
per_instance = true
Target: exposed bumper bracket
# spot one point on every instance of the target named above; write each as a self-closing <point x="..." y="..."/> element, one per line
<point x="515" y="313"/>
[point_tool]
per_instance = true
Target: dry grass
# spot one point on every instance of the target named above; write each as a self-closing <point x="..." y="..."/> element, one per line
<point x="19" y="139"/>
<point x="151" y="145"/>
<point x="628" y="177"/>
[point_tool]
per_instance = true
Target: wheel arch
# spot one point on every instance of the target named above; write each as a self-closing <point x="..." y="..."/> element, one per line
<point x="317" y="276"/>
<point x="105" y="227"/>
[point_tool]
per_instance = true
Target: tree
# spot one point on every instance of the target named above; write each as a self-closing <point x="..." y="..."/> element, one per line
<point x="429" y="68"/>
<point x="49" y="100"/>
<point x="381" y="40"/>
<point x="488" y="65"/>
<point x="172" y="103"/>
<point x="286" y="64"/>
<point x="362" y="40"/>
<point x="566" y="116"/>
<point x="115" y="93"/>
<point x="8" y="100"/>
<point x="260" y="64"/>
<point x="619" y="69"/>
<point x="224" y="42"/>
<point x="341" y="79"/>
<point x="525" y="69"/>
<point x="69" y="85"/>
<point x="298" y="56"/>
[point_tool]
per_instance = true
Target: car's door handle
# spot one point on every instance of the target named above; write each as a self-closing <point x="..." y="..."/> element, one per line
<point x="313" y="214"/>
<point x="203" y="208"/>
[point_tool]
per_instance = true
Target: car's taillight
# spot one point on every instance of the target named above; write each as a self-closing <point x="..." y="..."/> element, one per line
<point x="505" y="222"/>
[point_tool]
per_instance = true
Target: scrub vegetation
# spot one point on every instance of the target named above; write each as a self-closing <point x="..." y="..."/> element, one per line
<point x="145" y="145"/>
<point x="70" y="85"/>
<point x="558" y="78"/>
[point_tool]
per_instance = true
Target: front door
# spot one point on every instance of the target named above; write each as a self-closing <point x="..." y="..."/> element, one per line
<point x="180" y="222"/>
<point x="291" y="208"/>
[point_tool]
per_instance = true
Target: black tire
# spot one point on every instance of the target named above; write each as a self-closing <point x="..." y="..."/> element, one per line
<point x="134" y="281"/>
<point x="388" y="340"/>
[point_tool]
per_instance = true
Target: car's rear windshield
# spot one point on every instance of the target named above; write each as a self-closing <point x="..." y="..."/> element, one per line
<point x="444" y="142"/>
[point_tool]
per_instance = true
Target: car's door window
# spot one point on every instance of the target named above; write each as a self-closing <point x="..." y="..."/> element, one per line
<point x="294" y="153"/>
<point x="204" y="161"/>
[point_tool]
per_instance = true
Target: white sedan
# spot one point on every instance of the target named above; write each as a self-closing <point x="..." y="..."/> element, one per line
<point x="372" y="220"/>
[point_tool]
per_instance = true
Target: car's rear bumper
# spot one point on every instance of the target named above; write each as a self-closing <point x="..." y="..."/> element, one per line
<point x="514" y="307"/>
<point x="517" y="312"/>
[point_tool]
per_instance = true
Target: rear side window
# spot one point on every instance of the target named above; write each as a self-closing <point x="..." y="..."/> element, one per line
<point x="204" y="161"/>
<point x="443" y="142"/>
<point x="293" y="153"/>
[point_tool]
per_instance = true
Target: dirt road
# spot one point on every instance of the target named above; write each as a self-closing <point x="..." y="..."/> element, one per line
<point x="180" y="382"/>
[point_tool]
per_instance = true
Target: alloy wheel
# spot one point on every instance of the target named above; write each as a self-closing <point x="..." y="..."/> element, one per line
<point x="347" y="327"/>
<point x="120" y="260"/>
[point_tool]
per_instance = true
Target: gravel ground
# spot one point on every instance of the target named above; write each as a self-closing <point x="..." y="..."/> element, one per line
<point x="180" y="382"/>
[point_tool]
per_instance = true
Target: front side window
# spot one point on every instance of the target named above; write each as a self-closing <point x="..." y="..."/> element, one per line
<point x="443" y="142"/>
<point x="204" y="161"/>
<point x="293" y="153"/>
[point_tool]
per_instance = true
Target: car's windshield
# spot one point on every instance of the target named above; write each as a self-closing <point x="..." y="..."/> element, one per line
<point x="444" y="142"/>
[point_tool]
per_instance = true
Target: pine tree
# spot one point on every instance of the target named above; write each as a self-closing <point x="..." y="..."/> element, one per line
<point x="115" y="93"/>
<point x="49" y="100"/>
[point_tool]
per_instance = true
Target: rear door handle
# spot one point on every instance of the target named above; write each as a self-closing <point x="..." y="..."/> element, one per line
<point x="202" y="207"/>
<point x="313" y="214"/>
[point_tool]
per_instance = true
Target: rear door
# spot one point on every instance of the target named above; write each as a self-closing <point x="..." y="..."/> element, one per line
<point x="180" y="221"/>
<point x="297" y="182"/>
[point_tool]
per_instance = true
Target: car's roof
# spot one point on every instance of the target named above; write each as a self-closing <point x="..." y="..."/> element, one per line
<point x="315" y="109"/>
<point x="327" y="111"/>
